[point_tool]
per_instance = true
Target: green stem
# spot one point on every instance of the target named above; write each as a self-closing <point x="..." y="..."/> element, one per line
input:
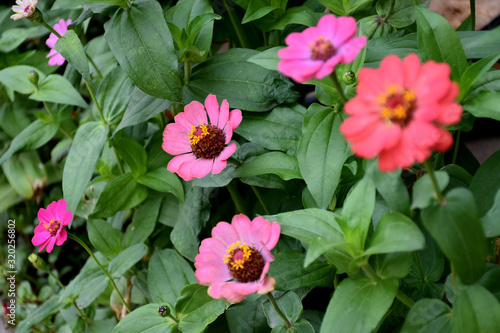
<point x="370" y="272"/>
<point x="84" y="317"/>
<point x="235" y="195"/>
<point x="336" y="83"/>
<point x="79" y="241"/>
<point x="95" y="101"/>
<point x="454" y="277"/>
<point x="187" y="70"/>
<point x="50" y="29"/>
<point x="62" y="129"/>
<point x="430" y="171"/>
<point x="236" y="26"/>
<point x="416" y="255"/>
<point x="261" y="200"/>
<point x="473" y="14"/>
<point x="120" y="165"/>
<point x="389" y="12"/>
<point x="95" y="66"/>
<point x="403" y="298"/>
<point x="278" y="311"/>
<point x="455" y="149"/>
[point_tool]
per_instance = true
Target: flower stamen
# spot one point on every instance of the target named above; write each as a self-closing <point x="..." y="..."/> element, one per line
<point x="245" y="263"/>
<point x="207" y="141"/>
<point x="397" y="104"/>
<point x="322" y="49"/>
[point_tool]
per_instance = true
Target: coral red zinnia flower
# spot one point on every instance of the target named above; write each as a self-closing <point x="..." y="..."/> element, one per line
<point x="24" y="9"/>
<point x="314" y="52"/>
<point x="202" y="146"/>
<point x="50" y="229"/>
<point x="55" y="57"/>
<point x="400" y="111"/>
<point x="235" y="261"/>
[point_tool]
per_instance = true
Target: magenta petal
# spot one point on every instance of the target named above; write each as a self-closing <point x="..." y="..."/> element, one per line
<point x="61" y="237"/>
<point x="176" y="162"/>
<point x="43" y="215"/>
<point x="40" y="237"/>
<point x="212" y="107"/>
<point x="224" y="114"/>
<point x="235" y="118"/>
<point x="50" y="244"/>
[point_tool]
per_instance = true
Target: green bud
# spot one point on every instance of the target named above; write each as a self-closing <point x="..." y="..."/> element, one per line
<point x="33" y="77"/>
<point x="163" y="311"/>
<point x="36" y="17"/>
<point x="349" y="77"/>
<point x="37" y="262"/>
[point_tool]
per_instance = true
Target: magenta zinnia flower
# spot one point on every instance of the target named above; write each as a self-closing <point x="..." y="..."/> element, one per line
<point x="235" y="261"/>
<point x="50" y="230"/>
<point x="400" y="112"/>
<point x="55" y="57"/>
<point x="202" y="146"/>
<point x="314" y="52"/>
<point x="24" y="9"/>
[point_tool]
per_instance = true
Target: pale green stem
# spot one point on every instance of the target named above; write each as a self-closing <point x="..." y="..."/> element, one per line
<point x="237" y="29"/>
<point x="419" y="264"/>
<point x="430" y="171"/>
<point x="278" y="311"/>
<point x="455" y="149"/>
<point x="120" y="166"/>
<point x="187" y="70"/>
<point x="235" y="195"/>
<point x="95" y="66"/>
<point x="62" y="129"/>
<point x="79" y="241"/>
<point x="50" y="29"/>
<point x="473" y="14"/>
<point x="91" y="92"/>
<point x="261" y="200"/>
<point x="336" y="83"/>
<point x="403" y="298"/>
<point x="389" y="12"/>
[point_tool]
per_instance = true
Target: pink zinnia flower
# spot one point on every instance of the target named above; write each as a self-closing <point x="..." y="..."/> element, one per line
<point x="235" y="261"/>
<point x="24" y="9"/>
<point x="55" y="57"/>
<point x="400" y="111"/>
<point x="202" y="146"/>
<point x="50" y="230"/>
<point x="314" y="52"/>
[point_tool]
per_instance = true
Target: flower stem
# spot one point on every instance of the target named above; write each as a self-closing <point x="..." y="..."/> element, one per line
<point x="278" y="311"/>
<point x="79" y="241"/>
<point x="261" y="200"/>
<point x="236" y="25"/>
<point x="403" y="298"/>
<point x="95" y="66"/>
<point x="120" y="166"/>
<point x="419" y="264"/>
<point x="336" y="83"/>
<point x="62" y="129"/>
<point x="430" y="171"/>
<point x="370" y="272"/>
<point x="50" y="29"/>
<point x="187" y="70"/>
<point x="455" y="149"/>
<point x="235" y="195"/>
<point x="473" y="14"/>
<point x="92" y="95"/>
<point x="84" y="317"/>
<point x="389" y="12"/>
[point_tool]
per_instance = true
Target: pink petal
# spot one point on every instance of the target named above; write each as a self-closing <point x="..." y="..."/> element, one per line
<point x="351" y="49"/>
<point x="209" y="259"/>
<point x="228" y="133"/>
<point x="212" y="107"/>
<point x="411" y="66"/>
<point x="201" y="167"/>
<point x="50" y="244"/>
<point x="346" y="29"/>
<point x="328" y="67"/>
<point x="43" y="215"/>
<point x="300" y="70"/>
<point x="195" y="113"/>
<point x="393" y="71"/>
<point x="220" y="161"/>
<point x="210" y="274"/>
<point x="289" y="53"/>
<point x="215" y="290"/>
<point x="40" y="237"/>
<point x="176" y="162"/>
<point x="175" y="142"/>
<point x="236" y="291"/>
<point x="235" y="118"/>
<point x="260" y="232"/>
<point x="242" y="224"/>
<point x="61" y="237"/>
<point x="213" y="245"/>
<point x="267" y="285"/>
<point x="383" y="137"/>
<point x="224" y="114"/>
<point x="225" y="232"/>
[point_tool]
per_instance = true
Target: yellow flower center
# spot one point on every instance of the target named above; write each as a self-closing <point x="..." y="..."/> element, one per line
<point x="245" y="263"/>
<point x="52" y="227"/>
<point x="322" y="49"/>
<point x="396" y="104"/>
<point x="197" y="133"/>
<point x="207" y="141"/>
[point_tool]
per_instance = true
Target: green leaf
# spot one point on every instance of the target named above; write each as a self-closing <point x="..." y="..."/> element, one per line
<point x="291" y="306"/>
<point x="12" y="38"/>
<point x="71" y="48"/>
<point x="490" y="220"/>
<point x="145" y="319"/>
<point x="126" y="259"/>
<point x="321" y="153"/>
<point x="268" y="58"/>
<point x="245" y="85"/>
<point x="141" y="108"/>
<point x="32" y="137"/>
<point x="476" y="310"/>
<point x="196" y="309"/>
<point x="238" y="315"/>
<point x="484" y="105"/>
<point x="303" y="15"/>
<point x="473" y="73"/>
<point x="486" y="183"/>
<point x="143" y="222"/>
<point x="358" y="305"/>
<point x="104" y="237"/>
<point x="57" y="89"/>
<point x="121" y="193"/>
<point x="456" y="228"/>
<point x="133" y="154"/>
<point x="403" y="12"/>
<point x="168" y="273"/>
<point x="257" y="9"/>
<point x="81" y="161"/>
<point x="438" y="41"/>
<point x="480" y="44"/>
<point x="16" y="78"/>
<point x="338" y="7"/>
<point x="289" y="272"/>
<point x="279" y="129"/>
<point x="52" y="306"/>
<point x="357" y="212"/>
<point x="423" y="190"/>
<point x="372" y="27"/>
<point x="396" y="233"/>
<point x="92" y="290"/>
<point x="76" y="3"/>
<point x="88" y="272"/>
<point x="195" y="212"/>
<point x="278" y="163"/>
<point x="378" y="49"/>
<point x="114" y="94"/>
<point x="164" y="181"/>
<point x="428" y="315"/>
<point x="134" y="35"/>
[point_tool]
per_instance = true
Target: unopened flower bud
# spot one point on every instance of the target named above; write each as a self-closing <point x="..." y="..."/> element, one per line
<point x="33" y="77"/>
<point x="349" y="77"/>
<point x="163" y="311"/>
<point x="37" y="262"/>
<point x="36" y="17"/>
